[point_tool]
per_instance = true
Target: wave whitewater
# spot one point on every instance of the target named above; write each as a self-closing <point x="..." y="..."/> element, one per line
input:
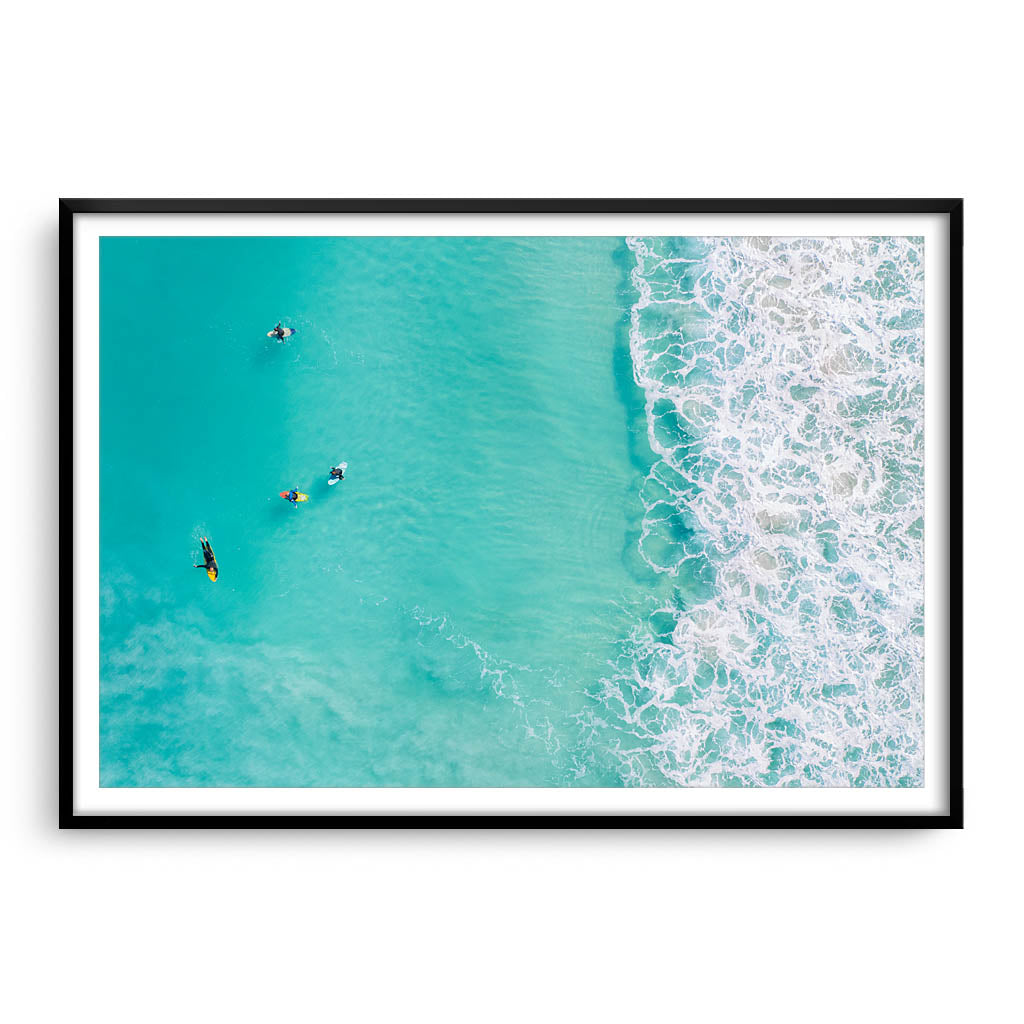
<point x="784" y="383"/>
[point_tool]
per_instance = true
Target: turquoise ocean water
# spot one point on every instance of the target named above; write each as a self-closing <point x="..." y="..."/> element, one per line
<point x="617" y="512"/>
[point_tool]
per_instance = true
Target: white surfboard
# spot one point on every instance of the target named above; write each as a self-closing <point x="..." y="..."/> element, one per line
<point x="332" y="480"/>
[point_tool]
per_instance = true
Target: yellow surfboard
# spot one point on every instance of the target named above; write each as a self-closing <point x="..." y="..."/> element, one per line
<point x="212" y="571"/>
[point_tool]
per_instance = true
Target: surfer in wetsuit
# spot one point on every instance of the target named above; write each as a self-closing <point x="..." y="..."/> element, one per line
<point x="210" y="563"/>
<point x="337" y="473"/>
<point x="278" y="332"/>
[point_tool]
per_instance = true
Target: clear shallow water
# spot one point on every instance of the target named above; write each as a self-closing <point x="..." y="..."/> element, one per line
<point x="528" y="578"/>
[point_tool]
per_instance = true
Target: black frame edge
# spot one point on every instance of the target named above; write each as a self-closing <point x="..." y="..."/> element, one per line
<point x="956" y="514"/>
<point x="542" y="205"/>
<point x="552" y="822"/>
<point x="65" y="623"/>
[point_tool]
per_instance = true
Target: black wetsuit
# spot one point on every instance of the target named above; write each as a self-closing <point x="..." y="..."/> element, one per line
<point x="279" y="332"/>
<point x="337" y="474"/>
<point x="210" y="563"/>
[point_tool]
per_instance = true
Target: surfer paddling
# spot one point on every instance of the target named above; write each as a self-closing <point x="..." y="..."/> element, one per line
<point x="280" y="332"/>
<point x="209" y="561"/>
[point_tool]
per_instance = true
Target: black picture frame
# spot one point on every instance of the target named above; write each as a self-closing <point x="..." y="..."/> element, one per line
<point x="953" y="209"/>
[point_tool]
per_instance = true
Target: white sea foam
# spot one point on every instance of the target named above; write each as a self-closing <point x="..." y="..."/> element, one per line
<point x="785" y="405"/>
<point x="502" y="676"/>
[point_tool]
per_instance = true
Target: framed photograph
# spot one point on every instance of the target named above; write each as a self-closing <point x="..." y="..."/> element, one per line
<point x="520" y="513"/>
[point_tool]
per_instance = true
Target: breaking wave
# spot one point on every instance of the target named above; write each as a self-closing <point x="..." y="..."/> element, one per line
<point x="784" y="384"/>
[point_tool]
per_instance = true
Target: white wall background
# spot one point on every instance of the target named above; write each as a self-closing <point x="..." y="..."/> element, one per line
<point x="528" y="99"/>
